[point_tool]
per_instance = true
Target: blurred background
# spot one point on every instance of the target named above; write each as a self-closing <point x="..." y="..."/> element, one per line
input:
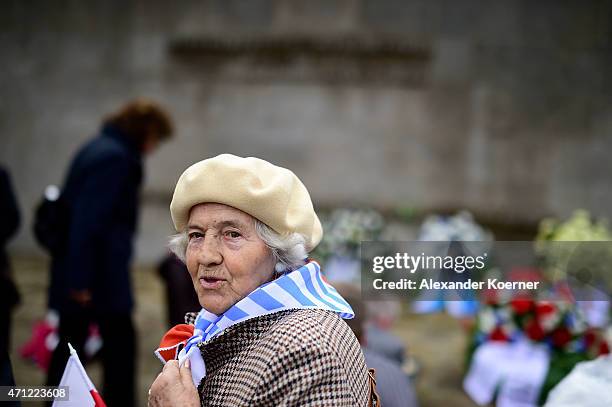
<point x="408" y="107"/>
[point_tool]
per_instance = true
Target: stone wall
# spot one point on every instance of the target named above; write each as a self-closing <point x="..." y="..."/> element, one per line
<point x="503" y="108"/>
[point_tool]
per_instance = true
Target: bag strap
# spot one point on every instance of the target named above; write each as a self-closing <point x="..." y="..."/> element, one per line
<point x="373" y="397"/>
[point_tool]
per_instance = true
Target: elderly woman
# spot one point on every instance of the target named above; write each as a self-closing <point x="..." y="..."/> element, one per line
<point x="270" y="331"/>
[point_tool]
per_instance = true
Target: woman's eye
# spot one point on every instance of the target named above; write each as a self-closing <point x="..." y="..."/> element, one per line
<point x="195" y="235"/>
<point x="233" y="234"/>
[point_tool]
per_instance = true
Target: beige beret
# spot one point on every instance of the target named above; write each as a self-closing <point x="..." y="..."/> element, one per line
<point x="272" y="194"/>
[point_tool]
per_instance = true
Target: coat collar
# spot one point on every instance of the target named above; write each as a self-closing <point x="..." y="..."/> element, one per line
<point x="111" y="131"/>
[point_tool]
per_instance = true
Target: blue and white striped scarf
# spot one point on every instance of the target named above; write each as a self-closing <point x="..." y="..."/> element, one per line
<point x="303" y="288"/>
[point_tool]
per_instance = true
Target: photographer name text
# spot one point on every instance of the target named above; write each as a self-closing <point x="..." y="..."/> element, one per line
<point x="469" y="284"/>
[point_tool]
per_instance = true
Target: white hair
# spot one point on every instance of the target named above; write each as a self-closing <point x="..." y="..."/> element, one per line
<point x="289" y="251"/>
<point x="387" y="309"/>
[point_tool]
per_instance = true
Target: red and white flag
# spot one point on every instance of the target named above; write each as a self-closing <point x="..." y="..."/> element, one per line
<point x="81" y="391"/>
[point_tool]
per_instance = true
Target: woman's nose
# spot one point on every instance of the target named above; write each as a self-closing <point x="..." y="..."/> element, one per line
<point x="210" y="254"/>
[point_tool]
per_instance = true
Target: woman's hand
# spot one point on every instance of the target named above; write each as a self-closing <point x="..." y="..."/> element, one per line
<point x="174" y="387"/>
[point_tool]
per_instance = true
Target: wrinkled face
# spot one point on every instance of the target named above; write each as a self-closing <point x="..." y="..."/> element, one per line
<point x="225" y="257"/>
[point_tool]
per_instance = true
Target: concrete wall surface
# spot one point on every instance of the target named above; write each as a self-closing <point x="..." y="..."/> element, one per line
<point x="503" y="108"/>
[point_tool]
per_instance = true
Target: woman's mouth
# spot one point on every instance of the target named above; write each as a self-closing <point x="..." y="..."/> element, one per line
<point x="211" y="283"/>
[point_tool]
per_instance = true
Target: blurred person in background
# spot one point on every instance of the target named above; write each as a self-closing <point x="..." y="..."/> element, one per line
<point x="393" y="385"/>
<point x="90" y="278"/>
<point x="9" y="296"/>
<point x="181" y="298"/>
<point x="382" y="315"/>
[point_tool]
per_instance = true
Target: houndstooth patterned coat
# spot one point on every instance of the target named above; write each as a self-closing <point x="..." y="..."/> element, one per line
<point x="289" y="358"/>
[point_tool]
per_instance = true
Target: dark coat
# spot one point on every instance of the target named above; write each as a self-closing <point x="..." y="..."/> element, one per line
<point x="385" y="344"/>
<point x="181" y="298"/>
<point x="102" y="192"/>
<point x="393" y="385"/>
<point x="9" y="216"/>
<point x="9" y="296"/>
